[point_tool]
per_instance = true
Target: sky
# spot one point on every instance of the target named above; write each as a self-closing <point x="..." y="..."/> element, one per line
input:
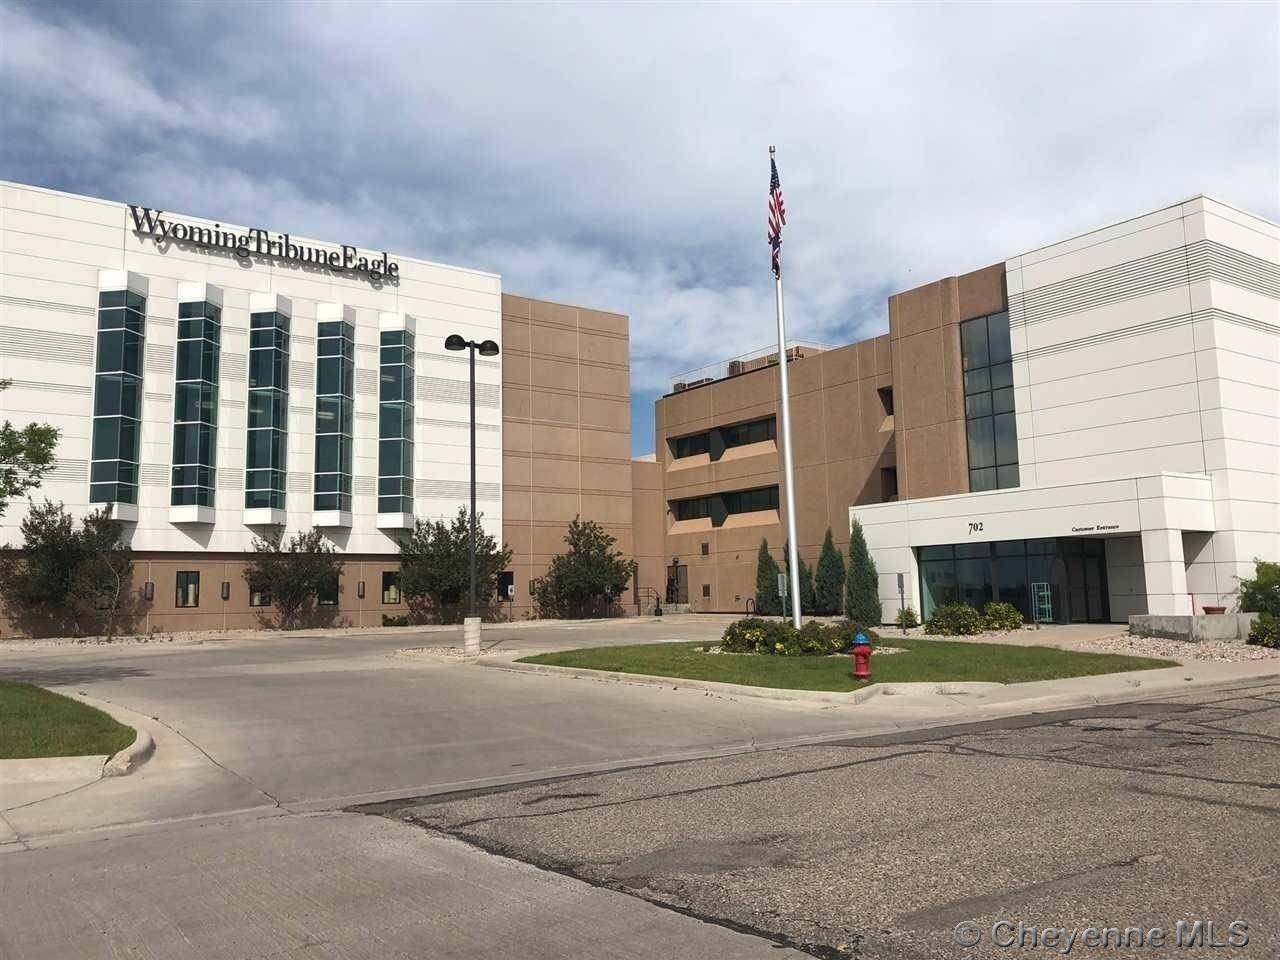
<point x="616" y="156"/>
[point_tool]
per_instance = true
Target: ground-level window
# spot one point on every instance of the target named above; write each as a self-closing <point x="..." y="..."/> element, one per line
<point x="328" y="595"/>
<point x="391" y="586"/>
<point x="188" y="588"/>
<point x="259" y="598"/>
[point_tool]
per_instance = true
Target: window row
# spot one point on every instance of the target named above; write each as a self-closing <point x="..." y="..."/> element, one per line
<point x="718" y="506"/>
<point x="187" y="590"/>
<point x="718" y="439"/>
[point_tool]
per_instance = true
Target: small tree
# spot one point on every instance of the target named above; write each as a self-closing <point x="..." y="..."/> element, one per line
<point x="862" y="587"/>
<point x="828" y="587"/>
<point x="65" y="578"/>
<point x="1261" y="592"/>
<point x="768" y="601"/>
<point x="292" y="574"/>
<point x="435" y="568"/>
<point x="26" y="455"/>
<point x="586" y="580"/>
<point x="101" y="584"/>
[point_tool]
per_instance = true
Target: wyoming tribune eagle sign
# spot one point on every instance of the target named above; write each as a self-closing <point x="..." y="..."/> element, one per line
<point x="258" y="242"/>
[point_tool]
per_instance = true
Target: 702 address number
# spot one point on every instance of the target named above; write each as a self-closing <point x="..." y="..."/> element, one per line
<point x="975" y="526"/>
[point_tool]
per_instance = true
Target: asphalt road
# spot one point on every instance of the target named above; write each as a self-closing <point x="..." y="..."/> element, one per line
<point x="319" y="722"/>
<point x="232" y="842"/>
<point x="1140" y="814"/>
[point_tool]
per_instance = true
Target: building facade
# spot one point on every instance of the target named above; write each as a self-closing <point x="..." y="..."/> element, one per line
<point x="1094" y="424"/>
<point x="210" y="380"/>
<point x="1088" y="430"/>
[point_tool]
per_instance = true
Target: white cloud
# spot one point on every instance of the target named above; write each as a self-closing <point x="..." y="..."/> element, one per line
<point x="616" y="155"/>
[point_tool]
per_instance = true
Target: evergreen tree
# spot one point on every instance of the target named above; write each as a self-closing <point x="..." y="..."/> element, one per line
<point x="828" y="588"/>
<point x="862" y="588"/>
<point x="768" y="601"/>
<point x="806" y="584"/>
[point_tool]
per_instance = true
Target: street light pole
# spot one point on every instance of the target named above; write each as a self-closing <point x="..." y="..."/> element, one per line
<point x="486" y="348"/>
<point x="473" y="481"/>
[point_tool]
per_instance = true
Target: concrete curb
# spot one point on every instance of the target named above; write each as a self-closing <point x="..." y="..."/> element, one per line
<point x="126" y="761"/>
<point x="744" y="690"/>
<point x="1005" y="698"/>
<point x="131" y="757"/>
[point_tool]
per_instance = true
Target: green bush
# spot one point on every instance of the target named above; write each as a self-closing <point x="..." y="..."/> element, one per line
<point x="1265" y="631"/>
<point x="1002" y="616"/>
<point x="1261" y="592"/>
<point x="400" y="621"/>
<point x="780" y="639"/>
<point x="955" y="620"/>
<point x="907" y="618"/>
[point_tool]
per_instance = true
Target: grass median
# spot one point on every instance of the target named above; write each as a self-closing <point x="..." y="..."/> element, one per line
<point x="919" y="660"/>
<point x="35" y="722"/>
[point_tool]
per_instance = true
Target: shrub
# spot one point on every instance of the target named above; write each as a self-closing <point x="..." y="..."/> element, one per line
<point x="400" y="621"/>
<point x="1002" y="616"/>
<point x="862" y="590"/>
<point x="1265" y="631"/>
<point x="955" y="620"/>
<point x="588" y="579"/>
<point x="1261" y="592"/>
<point x="907" y="618"/>
<point x="780" y="639"/>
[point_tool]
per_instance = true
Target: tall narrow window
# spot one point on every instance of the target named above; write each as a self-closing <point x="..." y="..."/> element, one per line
<point x="990" y="423"/>
<point x="195" y="403"/>
<point x="268" y="410"/>
<point x="395" y="423"/>
<point x="188" y="589"/>
<point x="117" y="402"/>
<point x="335" y="390"/>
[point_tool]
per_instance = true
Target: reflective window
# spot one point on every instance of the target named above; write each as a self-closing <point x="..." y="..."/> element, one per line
<point x="267" y="441"/>
<point x="990" y="426"/>
<point x="328" y="594"/>
<point x="390" y="586"/>
<point x="717" y="506"/>
<point x="117" y="402"/>
<point x="195" y="404"/>
<point x="335" y="391"/>
<point x="395" y="422"/>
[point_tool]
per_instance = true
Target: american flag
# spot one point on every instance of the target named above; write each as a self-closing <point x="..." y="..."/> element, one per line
<point x="777" y="217"/>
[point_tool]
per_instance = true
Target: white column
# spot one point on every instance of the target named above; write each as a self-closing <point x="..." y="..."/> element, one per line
<point x="1164" y="572"/>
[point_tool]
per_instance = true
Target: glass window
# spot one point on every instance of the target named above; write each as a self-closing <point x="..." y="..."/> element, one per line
<point x="973" y="343"/>
<point x="978" y="405"/>
<point x="328" y="594"/>
<point x="188" y="588"/>
<point x="1006" y="437"/>
<point x="976" y="381"/>
<point x="998" y="338"/>
<point x="984" y="479"/>
<point x="1002" y="376"/>
<point x="982" y="446"/>
<point x="391" y="586"/>
<point x="259" y="598"/>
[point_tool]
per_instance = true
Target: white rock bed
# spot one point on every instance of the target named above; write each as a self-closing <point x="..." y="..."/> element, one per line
<point x="1184" y="650"/>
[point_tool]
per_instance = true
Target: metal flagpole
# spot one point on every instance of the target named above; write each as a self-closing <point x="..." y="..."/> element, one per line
<point x="788" y="469"/>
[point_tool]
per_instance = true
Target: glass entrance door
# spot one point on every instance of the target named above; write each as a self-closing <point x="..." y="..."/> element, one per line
<point x="678" y="583"/>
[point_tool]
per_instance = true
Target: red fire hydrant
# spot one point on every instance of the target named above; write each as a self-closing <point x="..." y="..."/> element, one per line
<point x="861" y="657"/>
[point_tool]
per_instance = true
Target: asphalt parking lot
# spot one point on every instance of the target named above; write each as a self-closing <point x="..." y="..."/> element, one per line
<point x="1141" y="814"/>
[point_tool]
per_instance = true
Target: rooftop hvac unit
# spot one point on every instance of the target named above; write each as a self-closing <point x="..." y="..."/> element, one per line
<point x="679" y="387"/>
<point x="736" y="367"/>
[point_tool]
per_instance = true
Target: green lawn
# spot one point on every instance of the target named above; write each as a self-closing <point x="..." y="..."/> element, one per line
<point x="39" y="723"/>
<point x="926" y="660"/>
